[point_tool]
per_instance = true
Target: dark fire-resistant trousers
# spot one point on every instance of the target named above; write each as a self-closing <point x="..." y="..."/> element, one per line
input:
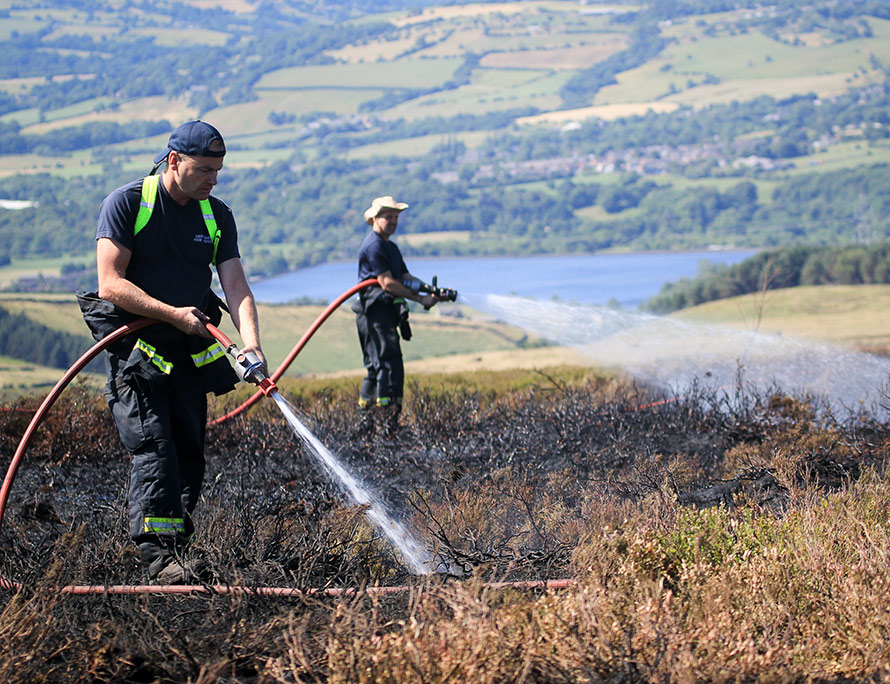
<point x="163" y="428"/>
<point x="381" y="351"/>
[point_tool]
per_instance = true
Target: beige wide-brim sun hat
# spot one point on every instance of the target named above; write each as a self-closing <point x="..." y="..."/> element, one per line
<point x="379" y="203"/>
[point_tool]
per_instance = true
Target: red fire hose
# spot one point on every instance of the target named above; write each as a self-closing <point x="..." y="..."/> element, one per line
<point x="66" y="379"/>
<point x="93" y="351"/>
<point x="288" y="360"/>
<point x="239" y="590"/>
<point x="88" y="356"/>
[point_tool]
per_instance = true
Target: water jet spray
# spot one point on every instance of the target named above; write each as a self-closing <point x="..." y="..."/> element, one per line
<point x="676" y="355"/>
<point x="251" y="369"/>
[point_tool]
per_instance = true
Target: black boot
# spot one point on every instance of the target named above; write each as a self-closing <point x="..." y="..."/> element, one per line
<point x="165" y="566"/>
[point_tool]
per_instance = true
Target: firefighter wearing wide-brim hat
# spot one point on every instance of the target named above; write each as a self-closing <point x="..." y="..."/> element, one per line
<point x="156" y="240"/>
<point x="381" y="310"/>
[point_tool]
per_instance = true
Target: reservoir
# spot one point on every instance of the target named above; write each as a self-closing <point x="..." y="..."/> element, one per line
<point x="628" y="279"/>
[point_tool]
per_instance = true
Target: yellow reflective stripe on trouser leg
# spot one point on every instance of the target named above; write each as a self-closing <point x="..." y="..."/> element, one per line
<point x="153" y="356"/>
<point x="209" y="355"/>
<point x="164" y="525"/>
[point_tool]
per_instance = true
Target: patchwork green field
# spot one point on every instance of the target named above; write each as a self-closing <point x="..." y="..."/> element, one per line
<point x="528" y="51"/>
<point x="402" y="74"/>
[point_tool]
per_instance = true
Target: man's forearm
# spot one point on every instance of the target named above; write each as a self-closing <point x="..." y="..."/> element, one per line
<point x="395" y="288"/>
<point x="246" y="320"/>
<point x="132" y="298"/>
<point x="242" y="305"/>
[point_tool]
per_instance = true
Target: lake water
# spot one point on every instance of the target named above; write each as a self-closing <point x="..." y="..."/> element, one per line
<point x="629" y="279"/>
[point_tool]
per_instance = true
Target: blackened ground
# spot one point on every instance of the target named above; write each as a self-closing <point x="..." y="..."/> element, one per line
<point x="269" y="515"/>
<point x="502" y="487"/>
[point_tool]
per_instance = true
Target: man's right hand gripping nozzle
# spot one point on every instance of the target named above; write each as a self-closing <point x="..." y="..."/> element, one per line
<point x="442" y="294"/>
<point x="251" y="369"/>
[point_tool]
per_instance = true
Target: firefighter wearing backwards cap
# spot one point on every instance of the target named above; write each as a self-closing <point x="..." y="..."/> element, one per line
<point x="156" y="241"/>
<point x="381" y="312"/>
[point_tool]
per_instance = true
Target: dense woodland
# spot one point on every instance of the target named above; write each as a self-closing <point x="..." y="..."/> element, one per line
<point x="24" y="339"/>
<point x="778" y="268"/>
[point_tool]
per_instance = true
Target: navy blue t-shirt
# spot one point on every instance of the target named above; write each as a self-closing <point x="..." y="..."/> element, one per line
<point x="173" y="252"/>
<point x="378" y="255"/>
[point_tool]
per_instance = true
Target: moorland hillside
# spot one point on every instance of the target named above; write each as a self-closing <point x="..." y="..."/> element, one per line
<point x="714" y="536"/>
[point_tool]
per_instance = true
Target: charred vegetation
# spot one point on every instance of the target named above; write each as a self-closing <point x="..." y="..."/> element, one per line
<point x="639" y="497"/>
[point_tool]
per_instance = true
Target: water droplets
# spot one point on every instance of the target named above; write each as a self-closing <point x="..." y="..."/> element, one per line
<point x="675" y="354"/>
<point x="416" y="557"/>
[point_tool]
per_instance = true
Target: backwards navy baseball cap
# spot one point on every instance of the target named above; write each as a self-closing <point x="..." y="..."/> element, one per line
<point x="196" y="139"/>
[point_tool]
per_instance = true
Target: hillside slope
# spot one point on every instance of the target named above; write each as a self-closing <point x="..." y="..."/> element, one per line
<point x="850" y="315"/>
<point x="454" y="342"/>
<point x="618" y="126"/>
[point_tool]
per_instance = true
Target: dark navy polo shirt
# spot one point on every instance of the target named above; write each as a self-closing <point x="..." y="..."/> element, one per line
<point x="378" y="255"/>
<point x="173" y="252"/>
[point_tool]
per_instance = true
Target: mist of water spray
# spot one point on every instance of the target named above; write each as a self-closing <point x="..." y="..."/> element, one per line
<point x="675" y="355"/>
<point x="414" y="555"/>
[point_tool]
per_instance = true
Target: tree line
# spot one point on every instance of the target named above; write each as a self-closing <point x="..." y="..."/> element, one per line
<point x="296" y="215"/>
<point x="71" y="138"/>
<point x="775" y="269"/>
<point x="22" y="338"/>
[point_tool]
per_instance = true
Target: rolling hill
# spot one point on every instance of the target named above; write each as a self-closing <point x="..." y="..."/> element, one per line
<point x="604" y="125"/>
<point x="850" y="316"/>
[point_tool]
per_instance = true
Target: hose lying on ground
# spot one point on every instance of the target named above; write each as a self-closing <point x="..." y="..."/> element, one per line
<point x="99" y="346"/>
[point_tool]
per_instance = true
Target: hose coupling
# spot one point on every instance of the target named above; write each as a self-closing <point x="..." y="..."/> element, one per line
<point x="251" y="369"/>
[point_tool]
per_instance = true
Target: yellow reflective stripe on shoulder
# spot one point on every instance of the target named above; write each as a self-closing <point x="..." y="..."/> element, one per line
<point x="147" y="206"/>
<point x="147" y="203"/>
<point x="162" y="525"/>
<point x="212" y="228"/>
<point x="209" y="355"/>
<point x="153" y="356"/>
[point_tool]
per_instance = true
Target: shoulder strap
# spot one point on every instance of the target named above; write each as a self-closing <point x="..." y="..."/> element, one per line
<point x="147" y="206"/>
<point x="212" y="228"/>
<point x="147" y="203"/>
